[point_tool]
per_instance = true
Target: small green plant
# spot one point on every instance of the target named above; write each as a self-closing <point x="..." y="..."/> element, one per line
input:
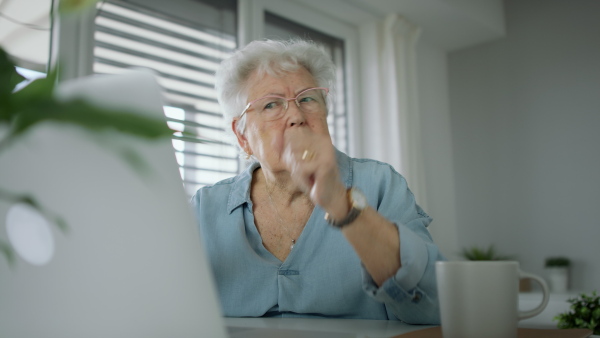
<point x="481" y="254"/>
<point x="554" y="262"/>
<point x="584" y="314"/>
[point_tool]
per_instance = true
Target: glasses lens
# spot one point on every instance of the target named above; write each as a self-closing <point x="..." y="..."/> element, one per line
<point x="270" y="108"/>
<point x="274" y="107"/>
<point x="311" y="100"/>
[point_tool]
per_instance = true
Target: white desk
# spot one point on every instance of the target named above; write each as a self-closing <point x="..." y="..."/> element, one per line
<point x="317" y="328"/>
<point x="323" y="328"/>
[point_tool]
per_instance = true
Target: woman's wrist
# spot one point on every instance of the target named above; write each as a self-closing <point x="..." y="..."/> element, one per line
<point x="340" y="206"/>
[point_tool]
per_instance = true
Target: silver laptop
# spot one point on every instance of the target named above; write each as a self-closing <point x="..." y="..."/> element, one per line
<point x="131" y="264"/>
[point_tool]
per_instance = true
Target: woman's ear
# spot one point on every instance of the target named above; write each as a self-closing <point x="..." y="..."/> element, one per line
<point x="241" y="138"/>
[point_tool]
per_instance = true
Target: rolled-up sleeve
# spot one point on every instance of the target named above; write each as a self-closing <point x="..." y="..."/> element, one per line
<point x="410" y="295"/>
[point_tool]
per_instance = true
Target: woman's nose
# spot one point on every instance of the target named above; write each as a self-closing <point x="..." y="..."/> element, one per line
<point x="294" y="114"/>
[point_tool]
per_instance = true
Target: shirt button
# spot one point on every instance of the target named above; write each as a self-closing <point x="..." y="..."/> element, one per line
<point x="417" y="296"/>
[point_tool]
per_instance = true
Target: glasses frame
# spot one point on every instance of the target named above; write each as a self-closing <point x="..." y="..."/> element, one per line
<point x="286" y="99"/>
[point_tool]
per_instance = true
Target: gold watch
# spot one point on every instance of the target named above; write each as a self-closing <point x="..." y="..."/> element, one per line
<point x="358" y="202"/>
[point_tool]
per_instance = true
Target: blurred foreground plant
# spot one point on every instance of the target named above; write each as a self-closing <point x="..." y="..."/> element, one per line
<point x="22" y="110"/>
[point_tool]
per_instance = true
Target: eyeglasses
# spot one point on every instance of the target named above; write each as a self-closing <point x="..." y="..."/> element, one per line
<point x="273" y="107"/>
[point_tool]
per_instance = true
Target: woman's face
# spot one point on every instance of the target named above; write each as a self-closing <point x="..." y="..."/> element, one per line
<point x="266" y="139"/>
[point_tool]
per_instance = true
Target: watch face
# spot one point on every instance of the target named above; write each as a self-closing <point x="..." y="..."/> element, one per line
<point x="359" y="200"/>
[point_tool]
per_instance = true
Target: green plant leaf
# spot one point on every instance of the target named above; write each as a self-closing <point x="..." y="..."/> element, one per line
<point x="88" y="116"/>
<point x="557" y="262"/>
<point x="9" y="78"/>
<point x="42" y="88"/>
<point x="8" y="253"/>
<point x="35" y="95"/>
<point x="74" y="6"/>
<point x="481" y="254"/>
<point x="584" y="313"/>
<point x="134" y="160"/>
<point x="5" y="248"/>
<point x="12" y="197"/>
<point x="596" y="313"/>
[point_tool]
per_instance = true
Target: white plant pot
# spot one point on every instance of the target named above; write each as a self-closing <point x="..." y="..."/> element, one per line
<point x="558" y="278"/>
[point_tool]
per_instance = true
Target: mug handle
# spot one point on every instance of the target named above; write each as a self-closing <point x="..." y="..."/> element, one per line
<point x="546" y="292"/>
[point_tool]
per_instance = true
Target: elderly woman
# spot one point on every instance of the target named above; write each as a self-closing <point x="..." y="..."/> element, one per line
<point x="306" y="230"/>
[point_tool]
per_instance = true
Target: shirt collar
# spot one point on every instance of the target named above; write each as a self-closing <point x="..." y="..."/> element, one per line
<point x="240" y="192"/>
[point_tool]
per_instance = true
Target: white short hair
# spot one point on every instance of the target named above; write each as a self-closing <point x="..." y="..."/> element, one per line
<point x="268" y="57"/>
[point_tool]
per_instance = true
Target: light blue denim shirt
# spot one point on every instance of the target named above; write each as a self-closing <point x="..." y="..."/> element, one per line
<point x="322" y="276"/>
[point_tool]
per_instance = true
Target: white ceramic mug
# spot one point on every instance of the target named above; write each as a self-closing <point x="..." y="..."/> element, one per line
<point x="480" y="298"/>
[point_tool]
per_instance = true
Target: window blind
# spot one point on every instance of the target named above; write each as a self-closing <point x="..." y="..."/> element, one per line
<point x="185" y="55"/>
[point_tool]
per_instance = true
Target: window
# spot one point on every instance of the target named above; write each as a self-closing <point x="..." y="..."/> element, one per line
<point x="184" y="41"/>
<point x="184" y="51"/>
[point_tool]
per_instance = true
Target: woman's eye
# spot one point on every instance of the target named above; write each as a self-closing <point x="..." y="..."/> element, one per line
<point x="270" y="105"/>
<point x="307" y="99"/>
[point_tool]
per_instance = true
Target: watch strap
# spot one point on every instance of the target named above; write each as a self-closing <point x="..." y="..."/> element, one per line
<point x="350" y="217"/>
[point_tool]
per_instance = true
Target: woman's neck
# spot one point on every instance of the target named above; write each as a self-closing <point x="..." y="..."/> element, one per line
<point x="280" y="186"/>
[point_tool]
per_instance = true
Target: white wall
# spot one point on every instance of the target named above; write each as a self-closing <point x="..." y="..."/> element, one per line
<point x="437" y="145"/>
<point x="525" y="116"/>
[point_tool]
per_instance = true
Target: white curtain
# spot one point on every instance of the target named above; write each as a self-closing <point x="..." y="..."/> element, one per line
<point x="390" y="112"/>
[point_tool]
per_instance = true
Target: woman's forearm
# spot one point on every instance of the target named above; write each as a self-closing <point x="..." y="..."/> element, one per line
<point x="377" y="243"/>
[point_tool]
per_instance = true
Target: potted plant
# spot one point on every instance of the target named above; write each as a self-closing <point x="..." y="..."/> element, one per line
<point x="476" y="253"/>
<point x="557" y="271"/>
<point x="584" y="314"/>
